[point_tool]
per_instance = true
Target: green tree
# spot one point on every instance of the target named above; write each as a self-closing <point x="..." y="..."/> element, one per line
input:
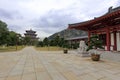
<point x="27" y="40"/>
<point x="3" y="26"/>
<point x="57" y="41"/>
<point x="95" y="43"/>
<point x="52" y="43"/>
<point x="12" y="38"/>
<point x="46" y="42"/>
<point x="40" y="43"/>
<point x="61" y="42"/>
<point x="3" y="33"/>
<point x="8" y="37"/>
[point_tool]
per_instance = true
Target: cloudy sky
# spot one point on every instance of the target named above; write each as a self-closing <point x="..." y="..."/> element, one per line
<point x="50" y="16"/>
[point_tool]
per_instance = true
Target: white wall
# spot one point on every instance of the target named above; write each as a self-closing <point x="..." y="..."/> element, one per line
<point x="118" y="41"/>
<point x="112" y="41"/>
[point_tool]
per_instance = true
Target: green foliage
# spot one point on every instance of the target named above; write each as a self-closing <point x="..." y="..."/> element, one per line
<point x="40" y="44"/>
<point x="66" y="45"/>
<point x="12" y="38"/>
<point x="3" y="33"/>
<point x="46" y="42"/>
<point x="9" y="38"/>
<point x="75" y="45"/>
<point x="3" y="26"/>
<point x="52" y="43"/>
<point x="27" y="40"/>
<point x="95" y="43"/>
<point x="57" y="41"/>
<point x="61" y="42"/>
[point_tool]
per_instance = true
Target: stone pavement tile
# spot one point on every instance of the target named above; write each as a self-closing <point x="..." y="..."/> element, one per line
<point x="28" y="70"/>
<point x="66" y="72"/>
<point x="56" y="75"/>
<point x="18" y="67"/>
<point x="13" y="78"/>
<point x="16" y="72"/>
<point x="59" y="67"/>
<point x="87" y="77"/>
<point x="107" y="78"/>
<point x="115" y="64"/>
<point x="5" y="67"/>
<point x="21" y="62"/>
<point x="62" y="69"/>
<point x="118" y="74"/>
<point x="96" y="75"/>
<point x="3" y="74"/>
<point x="28" y="65"/>
<point x="2" y="78"/>
<point x="30" y="76"/>
<point x="77" y="71"/>
<point x="43" y="76"/>
<point x="95" y="68"/>
<point x="114" y="77"/>
<point x="82" y="71"/>
<point x="113" y="71"/>
<point x="53" y="72"/>
<point x="70" y="76"/>
<point x="33" y="65"/>
<point x="109" y="75"/>
<point x="40" y="69"/>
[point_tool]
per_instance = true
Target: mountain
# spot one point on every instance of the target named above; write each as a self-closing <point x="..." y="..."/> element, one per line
<point x="68" y="33"/>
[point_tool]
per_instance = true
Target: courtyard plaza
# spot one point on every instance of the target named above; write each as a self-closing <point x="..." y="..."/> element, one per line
<point x="29" y="64"/>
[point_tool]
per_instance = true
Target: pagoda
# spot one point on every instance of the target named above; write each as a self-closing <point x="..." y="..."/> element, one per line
<point x="31" y="35"/>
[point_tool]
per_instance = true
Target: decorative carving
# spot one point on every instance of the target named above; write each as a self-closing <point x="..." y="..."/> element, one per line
<point x="82" y="49"/>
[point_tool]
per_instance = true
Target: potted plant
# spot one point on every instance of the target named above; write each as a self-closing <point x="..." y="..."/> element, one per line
<point x="65" y="50"/>
<point x="94" y="46"/>
<point x="65" y="47"/>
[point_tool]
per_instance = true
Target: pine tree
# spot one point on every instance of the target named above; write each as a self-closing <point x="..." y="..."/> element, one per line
<point x="95" y="43"/>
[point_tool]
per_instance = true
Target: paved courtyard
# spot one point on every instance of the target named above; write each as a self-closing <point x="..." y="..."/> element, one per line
<point x="30" y="64"/>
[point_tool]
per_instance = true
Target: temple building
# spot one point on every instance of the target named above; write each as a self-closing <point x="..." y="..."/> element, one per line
<point x="31" y="35"/>
<point x="77" y="39"/>
<point x="106" y="26"/>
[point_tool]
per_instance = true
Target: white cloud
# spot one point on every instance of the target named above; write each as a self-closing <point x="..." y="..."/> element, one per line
<point x="50" y="16"/>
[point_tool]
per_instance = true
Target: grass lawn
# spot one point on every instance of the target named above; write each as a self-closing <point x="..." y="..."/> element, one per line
<point x="50" y="48"/>
<point x="10" y="48"/>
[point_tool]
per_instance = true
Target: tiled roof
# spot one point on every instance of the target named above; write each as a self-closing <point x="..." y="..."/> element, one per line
<point x="110" y="10"/>
<point x="80" y="23"/>
<point x="111" y="14"/>
<point x="74" y="38"/>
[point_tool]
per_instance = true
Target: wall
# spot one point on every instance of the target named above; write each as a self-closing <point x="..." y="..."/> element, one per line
<point x="118" y="41"/>
<point x="112" y="41"/>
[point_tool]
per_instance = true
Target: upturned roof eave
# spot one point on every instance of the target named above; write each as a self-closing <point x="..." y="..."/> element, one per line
<point x="93" y="21"/>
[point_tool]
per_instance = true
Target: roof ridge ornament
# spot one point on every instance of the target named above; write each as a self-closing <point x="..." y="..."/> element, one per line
<point x="110" y="9"/>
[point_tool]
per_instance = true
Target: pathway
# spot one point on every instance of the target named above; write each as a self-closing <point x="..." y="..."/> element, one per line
<point x="30" y="64"/>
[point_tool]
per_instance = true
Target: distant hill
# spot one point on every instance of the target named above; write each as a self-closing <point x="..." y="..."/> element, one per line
<point x="68" y="33"/>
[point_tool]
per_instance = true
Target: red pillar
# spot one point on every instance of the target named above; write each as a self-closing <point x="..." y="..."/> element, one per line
<point x="115" y="41"/>
<point x="108" y="41"/>
<point x="89" y="34"/>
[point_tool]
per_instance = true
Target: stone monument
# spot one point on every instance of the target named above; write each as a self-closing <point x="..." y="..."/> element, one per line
<point x="82" y="49"/>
